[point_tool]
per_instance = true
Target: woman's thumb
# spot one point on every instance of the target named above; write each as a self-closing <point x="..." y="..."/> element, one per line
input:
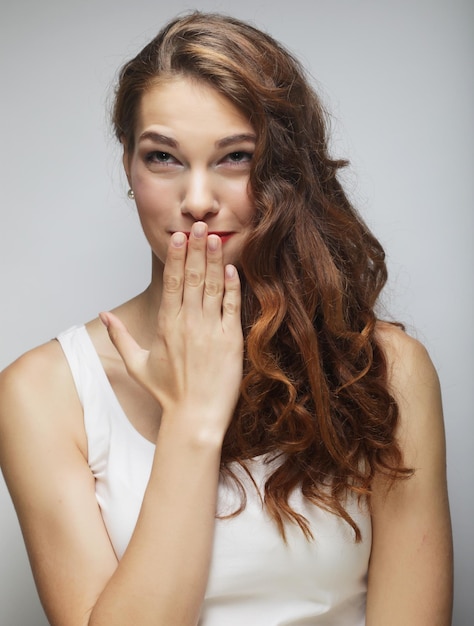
<point x="132" y="354"/>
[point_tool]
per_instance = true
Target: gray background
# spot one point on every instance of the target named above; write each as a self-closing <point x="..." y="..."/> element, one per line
<point x="397" y="76"/>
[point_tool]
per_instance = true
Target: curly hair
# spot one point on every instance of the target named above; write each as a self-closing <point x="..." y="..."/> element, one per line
<point x="315" y="390"/>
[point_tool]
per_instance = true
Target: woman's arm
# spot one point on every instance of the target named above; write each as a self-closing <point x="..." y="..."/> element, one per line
<point x="194" y="370"/>
<point x="411" y="566"/>
<point x="43" y="453"/>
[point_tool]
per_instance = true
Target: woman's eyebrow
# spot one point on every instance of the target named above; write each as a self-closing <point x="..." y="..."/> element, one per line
<point x="159" y="138"/>
<point x="220" y="143"/>
<point x="238" y="138"/>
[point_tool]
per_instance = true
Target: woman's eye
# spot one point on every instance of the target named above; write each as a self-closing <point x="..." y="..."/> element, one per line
<point x="160" y="157"/>
<point x="239" y="157"/>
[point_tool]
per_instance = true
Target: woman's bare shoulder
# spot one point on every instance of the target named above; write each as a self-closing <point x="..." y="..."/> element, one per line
<point x="413" y="382"/>
<point x="408" y="361"/>
<point x="38" y="389"/>
<point x="35" y="372"/>
<point x="395" y="340"/>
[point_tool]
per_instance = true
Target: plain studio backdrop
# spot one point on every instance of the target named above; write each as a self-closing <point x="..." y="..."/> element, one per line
<point x="397" y="78"/>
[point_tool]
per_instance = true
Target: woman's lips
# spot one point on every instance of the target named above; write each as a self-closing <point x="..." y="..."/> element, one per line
<point x="223" y="236"/>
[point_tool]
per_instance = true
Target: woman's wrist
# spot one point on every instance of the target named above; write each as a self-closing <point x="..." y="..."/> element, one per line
<point x="195" y="428"/>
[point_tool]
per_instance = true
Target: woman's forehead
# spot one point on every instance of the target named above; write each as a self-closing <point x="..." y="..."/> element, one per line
<point x="186" y="104"/>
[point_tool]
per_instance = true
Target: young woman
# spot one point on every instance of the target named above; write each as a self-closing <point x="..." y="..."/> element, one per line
<point x="243" y="442"/>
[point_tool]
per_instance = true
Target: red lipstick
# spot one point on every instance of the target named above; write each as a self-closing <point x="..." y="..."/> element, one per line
<point x="224" y="236"/>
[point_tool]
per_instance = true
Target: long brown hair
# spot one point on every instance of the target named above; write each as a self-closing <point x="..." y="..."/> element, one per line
<point x="315" y="379"/>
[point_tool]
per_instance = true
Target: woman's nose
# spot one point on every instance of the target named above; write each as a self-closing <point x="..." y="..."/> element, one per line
<point x="199" y="197"/>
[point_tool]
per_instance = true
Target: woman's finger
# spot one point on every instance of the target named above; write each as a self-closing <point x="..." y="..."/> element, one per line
<point x="231" y="303"/>
<point x="195" y="268"/>
<point x="214" y="278"/>
<point x="133" y="356"/>
<point x="173" y="274"/>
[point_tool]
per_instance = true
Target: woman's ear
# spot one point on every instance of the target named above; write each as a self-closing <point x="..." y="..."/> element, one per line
<point x="126" y="161"/>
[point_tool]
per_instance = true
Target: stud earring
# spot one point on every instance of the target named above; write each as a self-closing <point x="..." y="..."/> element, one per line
<point x="130" y="194"/>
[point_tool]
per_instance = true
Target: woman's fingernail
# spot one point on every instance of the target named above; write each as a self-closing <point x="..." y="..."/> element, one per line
<point x="199" y="228"/>
<point x="230" y="271"/>
<point x="213" y="242"/>
<point x="104" y="319"/>
<point x="178" y="239"/>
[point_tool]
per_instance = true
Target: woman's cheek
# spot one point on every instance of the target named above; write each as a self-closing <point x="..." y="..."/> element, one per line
<point x="151" y="201"/>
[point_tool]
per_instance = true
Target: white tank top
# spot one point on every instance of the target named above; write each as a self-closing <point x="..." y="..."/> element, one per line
<point x="255" y="578"/>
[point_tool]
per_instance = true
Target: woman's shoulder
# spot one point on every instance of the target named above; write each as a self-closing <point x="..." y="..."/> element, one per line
<point x="394" y="339"/>
<point x="414" y="384"/>
<point x="408" y="360"/>
<point x="33" y="370"/>
<point x="38" y="395"/>
<point x="45" y="368"/>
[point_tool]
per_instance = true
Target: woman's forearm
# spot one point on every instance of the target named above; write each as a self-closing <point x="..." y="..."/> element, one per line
<point x="162" y="576"/>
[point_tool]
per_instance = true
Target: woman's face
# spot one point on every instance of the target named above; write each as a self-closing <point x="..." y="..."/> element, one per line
<point x="191" y="162"/>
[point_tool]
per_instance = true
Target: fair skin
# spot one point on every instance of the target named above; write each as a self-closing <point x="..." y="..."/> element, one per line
<point x="189" y="170"/>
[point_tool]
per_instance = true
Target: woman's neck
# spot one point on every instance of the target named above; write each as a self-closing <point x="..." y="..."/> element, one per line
<point x="140" y="313"/>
